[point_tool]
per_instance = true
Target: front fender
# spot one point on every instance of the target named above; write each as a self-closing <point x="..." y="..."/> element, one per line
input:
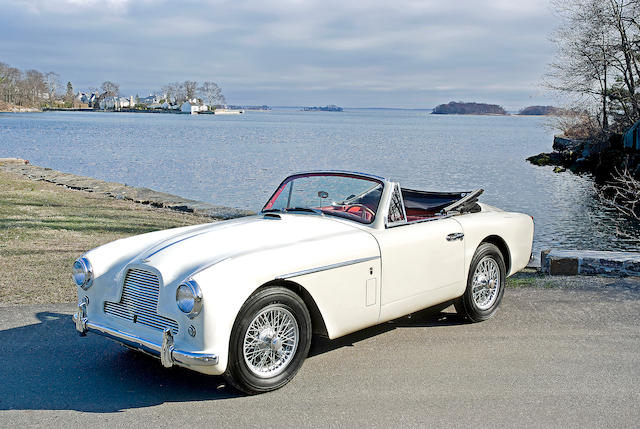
<point x="228" y="284"/>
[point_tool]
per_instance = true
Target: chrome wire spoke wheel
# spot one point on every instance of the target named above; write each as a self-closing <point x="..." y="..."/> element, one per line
<point x="486" y="283"/>
<point x="271" y="341"/>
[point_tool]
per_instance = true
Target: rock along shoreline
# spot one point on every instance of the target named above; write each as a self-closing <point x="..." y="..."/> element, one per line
<point x="119" y="190"/>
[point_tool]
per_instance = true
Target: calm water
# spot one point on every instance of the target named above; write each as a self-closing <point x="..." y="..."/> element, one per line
<point x="239" y="160"/>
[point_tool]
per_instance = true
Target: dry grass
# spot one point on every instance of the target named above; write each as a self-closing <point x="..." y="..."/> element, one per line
<point x="45" y="227"/>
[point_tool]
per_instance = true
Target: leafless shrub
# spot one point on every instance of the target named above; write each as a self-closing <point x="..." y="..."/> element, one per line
<point x="623" y="193"/>
<point x="576" y="123"/>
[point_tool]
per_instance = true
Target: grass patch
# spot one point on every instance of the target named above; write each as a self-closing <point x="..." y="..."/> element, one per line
<point x="45" y="227"/>
<point x="533" y="278"/>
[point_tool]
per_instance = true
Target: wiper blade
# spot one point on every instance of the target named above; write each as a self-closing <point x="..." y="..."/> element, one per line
<point x="302" y="209"/>
<point x="271" y="210"/>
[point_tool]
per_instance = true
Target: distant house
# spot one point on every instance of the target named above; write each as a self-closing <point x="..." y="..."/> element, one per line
<point x="108" y="102"/>
<point x="193" y="107"/>
<point x="84" y="98"/>
<point x="151" y="99"/>
<point x="115" y="103"/>
<point x="168" y="106"/>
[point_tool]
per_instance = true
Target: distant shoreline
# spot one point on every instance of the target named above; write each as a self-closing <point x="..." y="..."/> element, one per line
<point x="160" y="111"/>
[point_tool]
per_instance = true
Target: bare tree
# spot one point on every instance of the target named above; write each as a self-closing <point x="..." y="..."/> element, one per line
<point x="9" y="78"/>
<point x="175" y="92"/>
<point x="34" y="87"/>
<point x="584" y="47"/>
<point x="112" y="89"/>
<point x="190" y="87"/>
<point x="211" y="92"/>
<point x="596" y="64"/>
<point x="52" y="82"/>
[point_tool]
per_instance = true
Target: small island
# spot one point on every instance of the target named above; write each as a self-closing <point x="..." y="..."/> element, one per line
<point x="329" y="108"/>
<point x="541" y="111"/>
<point x="463" y="108"/>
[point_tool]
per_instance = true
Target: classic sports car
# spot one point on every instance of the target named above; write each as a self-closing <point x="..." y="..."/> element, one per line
<point x="330" y="253"/>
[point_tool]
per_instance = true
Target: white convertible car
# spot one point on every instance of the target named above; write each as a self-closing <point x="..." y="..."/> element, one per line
<point x="330" y="253"/>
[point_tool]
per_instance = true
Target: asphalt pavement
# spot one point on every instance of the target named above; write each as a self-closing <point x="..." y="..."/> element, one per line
<point x="551" y="357"/>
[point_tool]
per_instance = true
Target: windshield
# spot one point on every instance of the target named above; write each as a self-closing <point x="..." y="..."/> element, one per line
<point x="336" y="194"/>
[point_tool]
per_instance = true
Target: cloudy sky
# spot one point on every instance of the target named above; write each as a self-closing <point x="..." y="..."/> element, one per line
<point x="391" y="53"/>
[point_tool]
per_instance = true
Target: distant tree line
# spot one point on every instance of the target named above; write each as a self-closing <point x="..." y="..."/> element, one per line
<point x="462" y="108"/>
<point x="32" y="88"/>
<point x="208" y="92"/>
<point x="29" y="88"/>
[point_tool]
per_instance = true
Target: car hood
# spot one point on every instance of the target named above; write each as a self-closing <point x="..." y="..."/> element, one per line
<point x="183" y="254"/>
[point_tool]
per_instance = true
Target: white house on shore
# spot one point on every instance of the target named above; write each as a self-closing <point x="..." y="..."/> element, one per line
<point x="151" y="99"/>
<point x="193" y="107"/>
<point x="116" y="103"/>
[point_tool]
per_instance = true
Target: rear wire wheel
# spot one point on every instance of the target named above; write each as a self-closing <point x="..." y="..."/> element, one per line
<point x="485" y="285"/>
<point x="269" y="341"/>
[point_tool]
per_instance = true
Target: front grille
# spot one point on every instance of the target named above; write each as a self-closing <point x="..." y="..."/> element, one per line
<point x="139" y="302"/>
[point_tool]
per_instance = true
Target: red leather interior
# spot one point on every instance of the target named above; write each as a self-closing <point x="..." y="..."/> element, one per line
<point x="418" y="214"/>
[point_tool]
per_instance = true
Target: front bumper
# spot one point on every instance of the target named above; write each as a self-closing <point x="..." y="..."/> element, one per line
<point x="166" y="351"/>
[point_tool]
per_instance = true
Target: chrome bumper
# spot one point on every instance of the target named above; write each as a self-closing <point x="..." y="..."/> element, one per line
<point x="166" y="351"/>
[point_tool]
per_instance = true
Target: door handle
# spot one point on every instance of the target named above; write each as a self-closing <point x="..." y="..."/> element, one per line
<point x="455" y="236"/>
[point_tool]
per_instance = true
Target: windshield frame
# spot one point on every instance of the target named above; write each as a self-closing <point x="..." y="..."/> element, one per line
<point x="370" y="178"/>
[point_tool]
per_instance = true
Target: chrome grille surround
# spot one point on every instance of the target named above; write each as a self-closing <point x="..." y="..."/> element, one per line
<point x="139" y="301"/>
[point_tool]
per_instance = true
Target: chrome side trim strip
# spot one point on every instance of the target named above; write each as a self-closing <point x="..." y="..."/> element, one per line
<point x="166" y="350"/>
<point x="326" y="267"/>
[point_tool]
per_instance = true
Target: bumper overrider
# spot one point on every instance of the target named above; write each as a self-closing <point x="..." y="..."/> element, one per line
<point x="166" y="351"/>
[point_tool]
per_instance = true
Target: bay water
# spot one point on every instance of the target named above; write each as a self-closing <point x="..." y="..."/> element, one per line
<point x="238" y="160"/>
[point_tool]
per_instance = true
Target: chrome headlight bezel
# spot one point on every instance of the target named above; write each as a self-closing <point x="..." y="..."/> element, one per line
<point x="189" y="298"/>
<point x="82" y="273"/>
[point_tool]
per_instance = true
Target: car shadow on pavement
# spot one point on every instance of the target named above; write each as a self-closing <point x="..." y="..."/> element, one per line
<point x="47" y="366"/>
<point x="430" y="317"/>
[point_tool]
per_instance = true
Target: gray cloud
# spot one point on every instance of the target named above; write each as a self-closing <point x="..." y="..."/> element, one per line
<point x="398" y="54"/>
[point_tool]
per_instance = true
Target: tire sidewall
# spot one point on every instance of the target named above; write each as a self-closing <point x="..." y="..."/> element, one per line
<point x="238" y="373"/>
<point x="472" y="311"/>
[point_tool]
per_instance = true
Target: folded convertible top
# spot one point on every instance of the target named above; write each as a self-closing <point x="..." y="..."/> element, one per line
<point x="441" y="202"/>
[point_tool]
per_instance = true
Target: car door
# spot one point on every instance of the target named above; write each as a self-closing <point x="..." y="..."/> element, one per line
<point x="422" y="264"/>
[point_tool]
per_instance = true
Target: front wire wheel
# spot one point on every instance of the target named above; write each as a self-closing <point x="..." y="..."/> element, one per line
<point x="485" y="285"/>
<point x="269" y="341"/>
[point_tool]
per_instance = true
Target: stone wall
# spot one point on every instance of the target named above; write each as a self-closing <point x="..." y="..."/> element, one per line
<point x="119" y="190"/>
<point x="590" y="262"/>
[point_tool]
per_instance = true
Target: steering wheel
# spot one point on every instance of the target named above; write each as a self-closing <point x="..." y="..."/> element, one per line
<point x="361" y="210"/>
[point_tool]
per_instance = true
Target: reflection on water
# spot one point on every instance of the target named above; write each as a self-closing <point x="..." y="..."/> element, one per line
<point x="239" y="160"/>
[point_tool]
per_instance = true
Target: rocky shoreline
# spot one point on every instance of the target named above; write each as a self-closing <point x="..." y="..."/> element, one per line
<point x="586" y="156"/>
<point x="119" y="190"/>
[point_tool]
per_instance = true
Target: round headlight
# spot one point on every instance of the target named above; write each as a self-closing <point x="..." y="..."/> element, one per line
<point x="83" y="273"/>
<point x="189" y="298"/>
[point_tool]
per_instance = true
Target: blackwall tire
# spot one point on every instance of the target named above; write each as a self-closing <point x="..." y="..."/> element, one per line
<point x="485" y="285"/>
<point x="269" y="341"/>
